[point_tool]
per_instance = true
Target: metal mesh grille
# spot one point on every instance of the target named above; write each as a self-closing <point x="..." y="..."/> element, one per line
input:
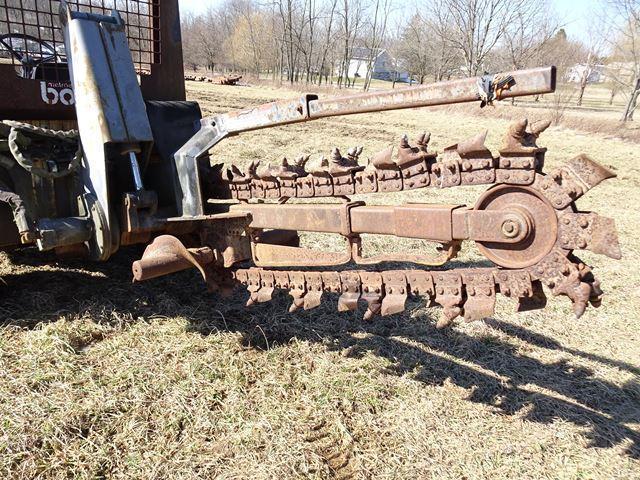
<point x="31" y="36"/>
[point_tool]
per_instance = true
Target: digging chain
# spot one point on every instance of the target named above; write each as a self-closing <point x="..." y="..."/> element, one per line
<point x="542" y="205"/>
<point x="470" y="293"/>
<point x="466" y="163"/>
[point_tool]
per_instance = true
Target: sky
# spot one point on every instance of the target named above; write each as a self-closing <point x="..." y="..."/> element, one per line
<point x="575" y="15"/>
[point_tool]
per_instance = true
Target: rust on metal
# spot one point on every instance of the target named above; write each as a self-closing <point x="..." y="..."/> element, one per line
<point x="166" y="254"/>
<point x="525" y="82"/>
<point x="525" y="223"/>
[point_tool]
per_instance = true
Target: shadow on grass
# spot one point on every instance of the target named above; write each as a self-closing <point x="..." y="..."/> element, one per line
<point x="412" y="345"/>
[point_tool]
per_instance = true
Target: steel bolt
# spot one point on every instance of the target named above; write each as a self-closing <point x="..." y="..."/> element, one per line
<point x="583" y="222"/>
<point x="510" y="228"/>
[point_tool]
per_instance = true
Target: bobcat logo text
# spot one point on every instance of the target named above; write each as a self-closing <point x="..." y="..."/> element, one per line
<point x="53" y="93"/>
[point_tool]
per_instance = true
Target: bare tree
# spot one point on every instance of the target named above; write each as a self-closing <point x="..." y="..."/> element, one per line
<point x="190" y="41"/>
<point x="533" y="27"/>
<point x="427" y="50"/>
<point x="624" y="65"/>
<point x="474" y="27"/>
<point x="351" y="15"/>
<point x="375" y="36"/>
<point x="328" y="42"/>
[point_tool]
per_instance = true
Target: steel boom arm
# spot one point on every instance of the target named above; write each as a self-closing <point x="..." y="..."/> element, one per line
<point x="309" y="107"/>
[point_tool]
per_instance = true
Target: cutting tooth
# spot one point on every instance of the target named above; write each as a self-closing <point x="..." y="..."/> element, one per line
<point x="234" y="174"/>
<point x="569" y="182"/>
<point x="481" y="295"/>
<point x="348" y="301"/>
<point x="314" y="290"/>
<point x="448" y="315"/>
<point x="253" y="297"/>
<point x="372" y="292"/>
<point x="586" y="275"/>
<point x="297" y="290"/>
<point x="350" y="291"/>
<point x="395" y="292"/>
<point x="393" y="303"/>
<point x="265" y="293"/>
<point x="579" y="295"/>
<point x="423" y="139"/>
<point x="563" y="276"/>
<point x="336" y="156"/>
<point x="537" y="300"/>
<point x="264" y="171"/>
<point x="540" y="126"/>
<point x="354" y="153"/>
<point x="296" y="305"/>
<point x="373" y="309"/>
<point x="252" y="169"/>
<point x="473" y="144"/>
<point x="449" y="295"/>
<point x="518" y="129"/>
<point x="589" y="172"/>
<point x="301" y="162"/>
<point x="383" y="160"/>
<point x="312" y="299"/>
<point x="589" y="231"/>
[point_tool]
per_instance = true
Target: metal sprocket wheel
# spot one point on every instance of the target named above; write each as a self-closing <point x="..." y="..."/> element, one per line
<point x="543" y="226"/>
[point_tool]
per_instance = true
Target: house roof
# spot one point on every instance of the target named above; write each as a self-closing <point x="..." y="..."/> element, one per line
<point x="364" y="53"/>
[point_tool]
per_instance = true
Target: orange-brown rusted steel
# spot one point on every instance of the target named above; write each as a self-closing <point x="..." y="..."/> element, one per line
<point x="165" y="255"/>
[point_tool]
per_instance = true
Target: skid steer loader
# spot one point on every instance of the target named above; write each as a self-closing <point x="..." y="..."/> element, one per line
<point x="100" y="149"/>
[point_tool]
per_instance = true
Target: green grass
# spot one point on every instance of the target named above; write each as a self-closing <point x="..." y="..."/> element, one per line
<point x="102" y="378"/>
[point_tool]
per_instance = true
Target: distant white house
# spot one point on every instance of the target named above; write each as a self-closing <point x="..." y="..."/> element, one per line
<point x="596" y="75"/>
<point x="384" y="66"/>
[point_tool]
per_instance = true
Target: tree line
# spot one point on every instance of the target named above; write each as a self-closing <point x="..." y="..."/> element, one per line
<point x="316" y="41"/>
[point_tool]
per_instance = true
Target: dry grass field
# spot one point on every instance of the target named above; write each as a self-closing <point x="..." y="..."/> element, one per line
<point x="101" y="378"/>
